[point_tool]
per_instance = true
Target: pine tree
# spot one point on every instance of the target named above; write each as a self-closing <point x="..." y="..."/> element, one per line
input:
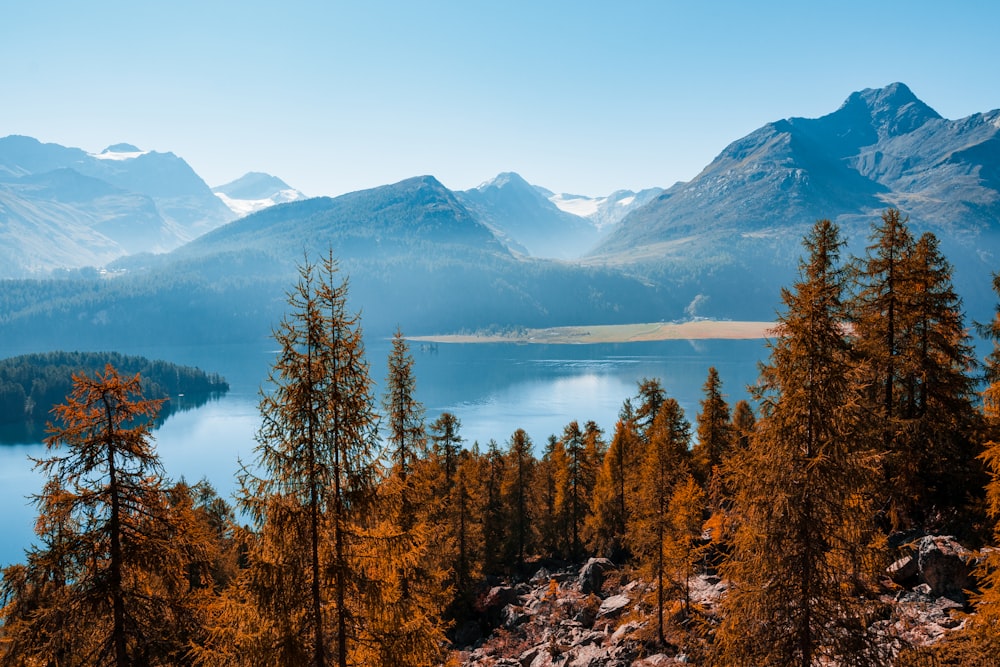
<point x="802" y="553"/>
<point x="938" y="394"/>
<point x="110" y="577"/>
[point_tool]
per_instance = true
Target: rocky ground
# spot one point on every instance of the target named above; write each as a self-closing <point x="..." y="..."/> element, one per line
<point x="596" y="615"/>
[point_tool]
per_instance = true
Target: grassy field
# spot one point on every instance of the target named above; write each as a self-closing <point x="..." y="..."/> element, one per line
<point x="618" y="333"/>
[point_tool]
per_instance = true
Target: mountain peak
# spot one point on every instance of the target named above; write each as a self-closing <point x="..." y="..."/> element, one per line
<point x="505" y="179"/>
<point x="121" y="148"/>
<point x="893" y="110"/>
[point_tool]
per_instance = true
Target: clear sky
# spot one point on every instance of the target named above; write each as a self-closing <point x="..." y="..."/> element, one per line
<point x="577" y="96"/>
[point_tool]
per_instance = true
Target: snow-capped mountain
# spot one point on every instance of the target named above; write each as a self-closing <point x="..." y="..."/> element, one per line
<point x="255" y="191"/>
<point x="603" y="212"/>
<point x="526" y="221"/>
<point x="66" y="208"/>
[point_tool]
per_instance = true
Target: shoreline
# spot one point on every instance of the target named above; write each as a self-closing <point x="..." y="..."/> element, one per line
<point x="617" y="333"/>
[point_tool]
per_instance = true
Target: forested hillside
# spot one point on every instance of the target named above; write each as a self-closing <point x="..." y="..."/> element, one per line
<point x="32" y="384"/>
<point x="375" y="535"/>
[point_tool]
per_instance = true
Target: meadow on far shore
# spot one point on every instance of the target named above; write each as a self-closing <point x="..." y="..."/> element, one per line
<point x="617" y="333"/>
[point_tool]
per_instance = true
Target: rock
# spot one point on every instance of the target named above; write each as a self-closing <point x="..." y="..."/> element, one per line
<point x="514" y="616"/>
<point x="493" y="604"/>
<point x="903" y="570"/>
<point x="613" y="606"/>
<point x="591" y="577"/>
<point x="944" y="566"/>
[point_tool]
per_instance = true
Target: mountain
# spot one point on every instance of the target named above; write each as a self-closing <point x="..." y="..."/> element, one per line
<point x="733" y="233"/>
<point x="64" y="208"/>
<point x="255" y="191"/>
<point x="603" y="212"/>
<point x="415" y="256"/>
<point x="527" y="221"/>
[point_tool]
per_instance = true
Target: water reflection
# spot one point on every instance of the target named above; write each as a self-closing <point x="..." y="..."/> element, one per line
<point x="492" y="388"/>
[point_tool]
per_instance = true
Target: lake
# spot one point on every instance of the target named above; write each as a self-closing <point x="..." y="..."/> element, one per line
<point x="493" y="388"/>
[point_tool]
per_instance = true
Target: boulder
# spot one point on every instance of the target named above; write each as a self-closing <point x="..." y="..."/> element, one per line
<point x="613" y="606"/>
<point x="592" y="574"/>
<point x="903" y="570"/>
<point x="494" y="602"/>
<point x="943" y="564"/>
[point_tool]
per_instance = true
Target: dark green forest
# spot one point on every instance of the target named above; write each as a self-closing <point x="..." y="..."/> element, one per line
<point x="32" y="384"/>
<point x="365" y="532"/>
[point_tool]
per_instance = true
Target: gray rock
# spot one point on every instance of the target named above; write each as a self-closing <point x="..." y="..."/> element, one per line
<point x="903" y="570"/>
<point x="613" y="606"/>
<point x="592" y="575"/>
<point x="944" y="566"/>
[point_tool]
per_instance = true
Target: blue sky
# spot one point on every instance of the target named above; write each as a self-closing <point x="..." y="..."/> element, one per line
<point x="580" y="97"/>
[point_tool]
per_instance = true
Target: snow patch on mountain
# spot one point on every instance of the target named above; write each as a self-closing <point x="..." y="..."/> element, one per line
<point x="584" y="207"/>
<point x="244" y="207"/>
<point x="119" y="152"/>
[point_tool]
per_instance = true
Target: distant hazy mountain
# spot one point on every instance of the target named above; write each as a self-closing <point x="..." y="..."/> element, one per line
<point x="66" y="208"/>
<point x="255" y="191"/>
<point x="603" y="212"/>
<point x="732" y="234"/>
<point x="416" y="258"/>
<point x="527" y="221"/>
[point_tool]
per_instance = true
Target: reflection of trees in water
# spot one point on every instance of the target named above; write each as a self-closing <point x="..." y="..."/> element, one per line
<point x="31" y="384"/>
<point x="33" y="431"/>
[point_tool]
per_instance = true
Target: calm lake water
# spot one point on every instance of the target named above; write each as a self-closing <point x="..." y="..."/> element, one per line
<point x="492" y="388"/>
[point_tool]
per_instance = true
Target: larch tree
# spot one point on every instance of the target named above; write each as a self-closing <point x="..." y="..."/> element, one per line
<point x="714" y="432"/>
<point x="938" y="395"/>
<point x="550" y="469"/>
<point x="493" y="511"/>
<point x="614" y="491"/>
<point x="803" y="552"/>
<point x="407" y="625"/>
<point x="312" y="493"/>
<point x="519" y="479"/>
<point x="743" y="424"/>
<point x="665" y="460"/>
<point x="574" y="485"/>
<point x="915" y="359"/>
<point x="110" y="579"/>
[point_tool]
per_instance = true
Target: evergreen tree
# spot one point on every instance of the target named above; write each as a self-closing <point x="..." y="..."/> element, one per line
<point x="802" y="553"/>
<point x="109" y="584"/>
